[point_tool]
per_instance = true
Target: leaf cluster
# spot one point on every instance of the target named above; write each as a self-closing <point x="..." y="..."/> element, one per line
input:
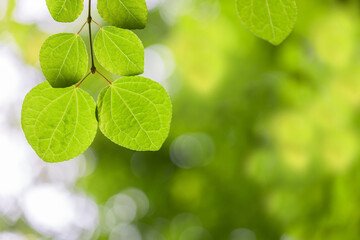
<point x="60" y="120"/>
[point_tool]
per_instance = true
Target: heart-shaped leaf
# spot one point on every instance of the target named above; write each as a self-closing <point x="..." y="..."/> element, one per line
<point x="119" y="51"/>
<point x="129" y="14"/>
<point x="64" y="59"/>
<point x="65" y="10"/>
<point x="135" y="112"/>
<point x="59" y="123"/>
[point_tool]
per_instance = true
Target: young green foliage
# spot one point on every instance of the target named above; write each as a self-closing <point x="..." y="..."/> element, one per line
<point x="135" y="112"/>
<point x="59" y="123"/>
<point x="271" y="20"/>
<point x="129" y="14"/>
<point x="119" y="51"/>
<point x="65" y="10"/>
<point x="59" y="120"/>
<point x="64" y="59"/>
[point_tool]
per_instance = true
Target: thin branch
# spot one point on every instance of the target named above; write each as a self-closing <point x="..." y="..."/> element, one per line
<point x="104" y="77"/>
<point x="93" y="68"/>
<point x="82" y="80"/>
<point x="89" y="12"/>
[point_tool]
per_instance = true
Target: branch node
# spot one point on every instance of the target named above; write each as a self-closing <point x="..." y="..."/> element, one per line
<point x="93" y="70"/>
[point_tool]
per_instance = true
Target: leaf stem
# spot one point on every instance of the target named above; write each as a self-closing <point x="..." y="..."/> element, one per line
<point x="104" y="77"/>
<point x="81" y="28"/>
<point x="89" y="19"/>
<point x="96" y="23"/>
<point x="82" y="80"/>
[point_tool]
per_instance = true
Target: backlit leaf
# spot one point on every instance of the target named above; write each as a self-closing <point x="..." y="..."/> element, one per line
<point x="119" y="51"/>
<point x="135" y="112"/>
<point x="59" y="123"/>
<point x="64" y="59"/>
<point x="65" y="10"/>
<point x="129" y="14"/>
<point x="271" y="20"/>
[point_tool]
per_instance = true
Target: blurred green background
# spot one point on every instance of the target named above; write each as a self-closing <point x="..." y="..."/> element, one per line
<point x="263" y="143"/>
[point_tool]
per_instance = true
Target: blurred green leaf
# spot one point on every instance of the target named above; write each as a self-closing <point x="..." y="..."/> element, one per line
<point x="271" y="20"/>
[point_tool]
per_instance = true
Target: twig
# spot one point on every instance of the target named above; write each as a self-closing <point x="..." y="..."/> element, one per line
<point x="89" y="19"/>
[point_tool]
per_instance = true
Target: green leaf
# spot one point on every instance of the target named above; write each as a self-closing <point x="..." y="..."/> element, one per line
<point x="64" y="59"/>
<point x="65" y="10"/>
<point x="271" y="20"/>
<point x="129" y="14"/>
<point x="135" y="112"/>
<point x="119" y="51"/>
<point x="59" y="123"/>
